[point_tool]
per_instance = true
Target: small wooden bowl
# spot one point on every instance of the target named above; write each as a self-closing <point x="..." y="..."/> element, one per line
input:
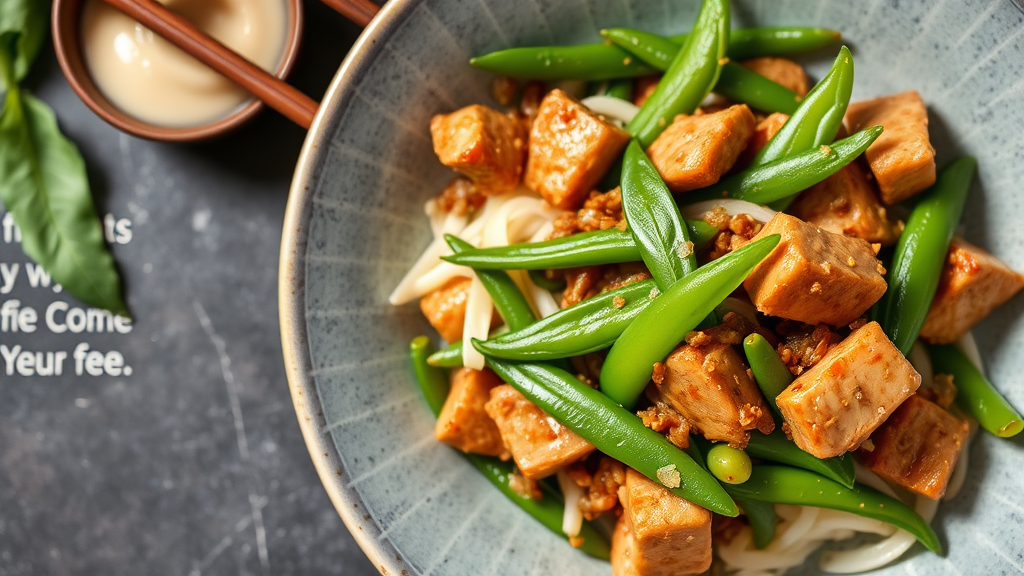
<point x="67" y="43"/>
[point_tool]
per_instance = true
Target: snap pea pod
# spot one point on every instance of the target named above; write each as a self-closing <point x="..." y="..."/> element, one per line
<point x="450" y="357"/>
<point x="777" y="448"/>
<point x="664" y="323"/>
<point x="616" y="432"/>
<point x="654" y="219"/>
<point x="975" y="394"/>
<point x="612" y="246"/>
<point x="591" y="325"/>
<point x="921" y="252"/>
<point x="691" y="76"/>
<point x="785" y="485"/>
<point x="621" y="89"/>
<point x="548" y="511"/>
<point x="735" y="82"/>
<point x="771" y="375"/>
<point x="788" y="176"/>
<point x="600" y="61"/>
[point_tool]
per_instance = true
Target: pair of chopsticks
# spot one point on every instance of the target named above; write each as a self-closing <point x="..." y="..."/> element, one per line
<point x="273" y="91"/>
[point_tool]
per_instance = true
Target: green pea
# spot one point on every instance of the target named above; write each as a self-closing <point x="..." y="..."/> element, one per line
<point x="728" y="464"/>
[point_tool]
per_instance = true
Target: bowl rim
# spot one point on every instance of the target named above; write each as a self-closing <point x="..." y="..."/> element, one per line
<point x="292" y="297"/>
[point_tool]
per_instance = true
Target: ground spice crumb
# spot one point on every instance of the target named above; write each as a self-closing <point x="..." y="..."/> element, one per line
<point x="575" y="541"/>
<point x="816" y="287"/>
<point x="686" y="249"/>
<point x="659" y="373"/>
<point x="851" y="262"/>
<point x="626" y="61"/>
<point x="825" y="149"/>
<point x="654" y="293"/>
<point x="618" y="301"/>
<point x="669" y="476"/>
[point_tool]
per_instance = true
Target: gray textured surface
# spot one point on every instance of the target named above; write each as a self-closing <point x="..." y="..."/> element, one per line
<point x="358" y="207"/>
<point x="152" y="473"/>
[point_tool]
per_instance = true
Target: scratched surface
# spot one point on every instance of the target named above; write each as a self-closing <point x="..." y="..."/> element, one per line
<point x="194" y="463"/>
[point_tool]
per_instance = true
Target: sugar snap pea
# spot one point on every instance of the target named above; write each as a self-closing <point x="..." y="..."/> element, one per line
<point x="921" y="252"/>
<point x="785" y="485"/>
<point x="591" y="325"/>
<point x="771" y="374"/>
<point x="612" y="246"/>
<point x="664" y="323"/>
<point x="975" y="394"/>
<point x="616" y="432"/>
<point x="777" y="448"/>
<point x="549" y="510"/>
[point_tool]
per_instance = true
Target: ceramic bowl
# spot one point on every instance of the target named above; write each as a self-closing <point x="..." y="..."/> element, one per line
<point x="355" y="224"/>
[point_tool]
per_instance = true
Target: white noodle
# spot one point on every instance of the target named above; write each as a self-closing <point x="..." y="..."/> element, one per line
<point x="572" y="518"/>
<point x="867" y="557"/>
<point x="956" y="481"/>
<point x="436" y="215"/>
<point x="479" y="307"/>
<point x="438" y="276"/>
<point x="732" y="207"/>
<point x="970" y="348"/>
<point x="922" y="363"/>
<point x="865" y="476"/>
<point x="405" y="291"/>
<point x="800" y="528"/>
<point x="611" y="107"/>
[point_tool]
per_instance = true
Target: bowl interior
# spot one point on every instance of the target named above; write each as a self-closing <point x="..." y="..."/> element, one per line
<point x="355" y="225"/>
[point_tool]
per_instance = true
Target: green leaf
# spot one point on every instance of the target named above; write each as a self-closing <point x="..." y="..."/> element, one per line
<point x="44" y="185"/>
<point x="24" y="21"/>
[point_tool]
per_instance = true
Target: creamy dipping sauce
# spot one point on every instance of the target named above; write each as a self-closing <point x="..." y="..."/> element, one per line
<point x="149" y="78"/>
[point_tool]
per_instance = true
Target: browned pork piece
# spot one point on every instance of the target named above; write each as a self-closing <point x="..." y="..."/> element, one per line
<point x="659" y="534"/>
<point x="694" y="151"/>
<point x="815" y="276"/>
<point x="538" y="443"/>
<point x="463" y="422"/>
<point x="764" y="131"/>
<point x="781" y="71"/>
<point x="710" y="387"/>
<point x="846" y="203"/>
<point x="571" y="148"/>
<point x="487" y="146"/>
<point x="445" y="308"/>
<point x="644" y="87"/>
<point x="973" y="284"/>
<point x="833" y="407"/>
<point x="917" y="447"/>
<point x="902" y="158"/>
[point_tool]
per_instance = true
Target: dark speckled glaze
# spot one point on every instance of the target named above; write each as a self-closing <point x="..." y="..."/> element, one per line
<point x="355" y="224"/>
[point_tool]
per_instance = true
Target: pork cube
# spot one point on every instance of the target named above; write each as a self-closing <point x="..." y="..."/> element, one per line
<point x="463" y="422"/>
<point x="571" y="148"/>
<point x="659" y="534"/>
<point x="710" y="386"/>
<point x="917" y="447"/>
<point x="538" y="443"/>
<point x="694" y="151"/>
<point x="814" y="276"/>
<point x="764" y="131"/>
<point x="902" y="158"/>
<point x="973" y="284"/>
<point x="846" y="203"/>
<point x="487" y="146"/>
<point x="781" y="71"/>
<point x="833" y="407"/>
<point x="445" y="308"/>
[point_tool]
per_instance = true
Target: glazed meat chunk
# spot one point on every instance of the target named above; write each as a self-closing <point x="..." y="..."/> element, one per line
<point x="463" y="422"/>
<point x="917" y="447"/>
<point x="485" y="145"/>
<point x="973" y="284"/>
<point x="814" y="276"/>
<point x="571" y="148"/>
<point x="846" y="203"/>
<point x="659" y="534"/>
<point x="902" y="158"/>
<point x="538" y="443"/>
<point x="711" y="388"/>
<point x="836" y="405"/>
<point x="781" y="71"/>
<point x="694" y="151"/>
<point x="764" y="131"/>
<point x="445" y="308"/>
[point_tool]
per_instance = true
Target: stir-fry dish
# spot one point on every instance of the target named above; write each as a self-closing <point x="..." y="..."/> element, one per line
<point x="698" y="311"/>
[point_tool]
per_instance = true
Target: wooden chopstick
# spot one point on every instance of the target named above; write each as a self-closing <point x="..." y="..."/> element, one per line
<point x="360" y="12"/>
<point x="277" y="94"/>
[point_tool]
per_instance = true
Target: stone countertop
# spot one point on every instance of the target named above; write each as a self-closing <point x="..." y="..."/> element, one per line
<point x="189" y="462"/>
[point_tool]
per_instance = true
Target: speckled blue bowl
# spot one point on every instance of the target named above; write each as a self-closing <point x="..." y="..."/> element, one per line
<point x="355" y="224"/>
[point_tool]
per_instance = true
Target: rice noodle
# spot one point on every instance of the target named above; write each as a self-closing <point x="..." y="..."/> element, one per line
<point x="921" y="362"/>
<point x="732" y="207"/>
<point x="970" y="349"/>
<point x="956" y="480"/>
<point x="479" y="308"/>
<point x="405" y="291"/>
<point x="611" y="107"/>
<point x="572" y="518"/>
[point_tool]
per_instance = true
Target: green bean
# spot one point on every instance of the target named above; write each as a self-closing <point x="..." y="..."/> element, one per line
<point x="450" y="357"/>
<point x="921" y="252"/>
<point x="728" y="464"/>
<point x="777" y="448"/>
<point x="735" y="82"/>
<point x="819" y="116"/>
<point x="763" y="521"/>
<point x="975" y="394"/>
<point x="548" y="511"/>
<point x="600" y="61"/>
<point x="691" y="76"/>
<point x="542" y="281"/>
<point x="659" y="329"/>
<point x="612" y="246"/>
<point x="591" y="325"/>
<point x="771" y="374"/>
<point x="654" y="219"/>
<point x="616" y="432"/>
<point x="784" y="485"/>
<point x="508" y="299"/>
<point x="621" y="89"/>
